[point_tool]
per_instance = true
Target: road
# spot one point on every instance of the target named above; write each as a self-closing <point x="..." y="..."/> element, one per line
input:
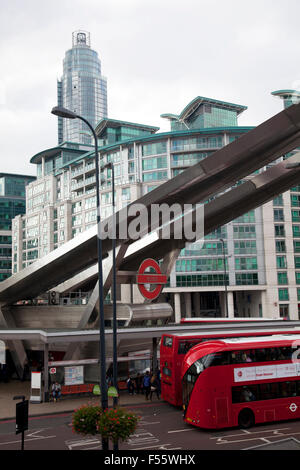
<point x="160" y="428"/>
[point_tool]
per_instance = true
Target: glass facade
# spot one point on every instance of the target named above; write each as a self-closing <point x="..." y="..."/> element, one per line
<point x="12" y="203"/>
<point x="82" y="89"/>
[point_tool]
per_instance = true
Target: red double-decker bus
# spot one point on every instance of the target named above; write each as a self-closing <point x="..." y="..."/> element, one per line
<point x="242" y="381"/>
<point x="173" y="348"/>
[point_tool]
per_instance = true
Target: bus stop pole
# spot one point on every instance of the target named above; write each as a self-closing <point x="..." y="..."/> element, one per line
<point x="154" y="355"/>
<point x="46" y="366"/>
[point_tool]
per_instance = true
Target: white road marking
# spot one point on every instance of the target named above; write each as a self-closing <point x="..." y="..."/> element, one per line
<point x="160" y="447"/>
<point x="82" y="442"/>
<point x="181" y="430"/>
<point x="27" y="440"/>
<point x="276" y="431"/>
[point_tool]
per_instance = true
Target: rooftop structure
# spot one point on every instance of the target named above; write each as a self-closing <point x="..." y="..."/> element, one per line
<point x="204" y="112"/>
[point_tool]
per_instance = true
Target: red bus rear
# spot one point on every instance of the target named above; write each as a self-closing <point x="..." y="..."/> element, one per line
<point x="242" y="382"/>
<point x="173" y="348"/>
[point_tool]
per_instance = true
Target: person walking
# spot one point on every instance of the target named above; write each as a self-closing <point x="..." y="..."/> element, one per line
<point x="130" y="386"/>
<point x="147" y="384"/>
<point x="154" y="386"/>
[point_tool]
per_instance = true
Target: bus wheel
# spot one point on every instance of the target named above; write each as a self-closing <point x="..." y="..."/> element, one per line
<point x="246" y="418"/>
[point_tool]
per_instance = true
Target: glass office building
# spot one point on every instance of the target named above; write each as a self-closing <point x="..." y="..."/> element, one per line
<point x="82" y="89"/>
<point x="12" y="203"/>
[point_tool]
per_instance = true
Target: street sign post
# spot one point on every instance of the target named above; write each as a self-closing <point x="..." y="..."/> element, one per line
<point x="156" y="278"/>
<point x="21" y="417"/>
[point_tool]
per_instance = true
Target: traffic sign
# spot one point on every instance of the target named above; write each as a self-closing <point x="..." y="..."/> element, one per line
<point x="21" y="416"/>
<point x="156" y="278"/>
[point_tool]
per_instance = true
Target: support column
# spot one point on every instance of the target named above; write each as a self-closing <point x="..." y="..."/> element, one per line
<point x="264" y="303"/>
<point x="197" y="303"/>
<point x="177" y="307"/>
<point x="154" y="355"/>
<point x="16" y="347"/>
<point x="46" y="373"/>
<point x="230" y="305"/>
<point x="188" y="304"/>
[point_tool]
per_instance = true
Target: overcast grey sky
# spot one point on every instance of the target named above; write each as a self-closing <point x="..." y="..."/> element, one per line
<point x="157" y="56"/>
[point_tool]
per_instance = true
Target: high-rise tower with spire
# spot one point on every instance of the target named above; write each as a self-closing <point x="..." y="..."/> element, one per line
<point x="82" y="89"/>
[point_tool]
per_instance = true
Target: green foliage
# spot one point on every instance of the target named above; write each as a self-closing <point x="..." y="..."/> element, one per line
<point x="85" y="419"/>
<point x="117" y="424"/>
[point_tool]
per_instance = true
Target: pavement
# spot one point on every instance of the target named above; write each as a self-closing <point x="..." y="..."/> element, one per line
<point x="65" y="404"/>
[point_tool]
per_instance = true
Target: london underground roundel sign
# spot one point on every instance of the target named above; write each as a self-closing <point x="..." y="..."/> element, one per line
<point x="156" y="278"/>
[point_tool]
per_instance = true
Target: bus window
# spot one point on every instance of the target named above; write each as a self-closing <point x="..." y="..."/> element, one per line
<point x="246" y="356"/>
<point x="219" y="359"/>
<point x="185" y="346"/>
<point x="167" y="371"/>
<point x="288" y="389"/>
<point x="267" y="392"/>
<point x="285" y="353"/>
<point x="244" y="393"/>
<point x="168" y="341"/>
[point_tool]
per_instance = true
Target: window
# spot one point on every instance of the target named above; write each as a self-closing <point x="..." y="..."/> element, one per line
<point x="282" y="278"/>
<point x="201" y="280"/>
<point x="246" y="218"/>
<point x="295" y="215"/>
<point x="201" y="264"/>
<point x="281" y="262"/>
<point x="296" y="231"/>
<point x="279" y="231"/>
<point x="278" y="201"/>
<point x="297" y="262"/>
<point x="283" y="294"/>
<point x="250" y="279"/>
<point x="295" y="200"/>
<point x="278" y="215"/>
<point x="280" y="246"/>
<point x="126" y="194"/>
<point x="154" y="149"/>
<point x="245" y="264"/>
<point x="245" y="247"/>
<point x="155" y="176"/>
<point x="244" y="231"/>
<point x="284" y="310"/>
<point x="154" y="163"/>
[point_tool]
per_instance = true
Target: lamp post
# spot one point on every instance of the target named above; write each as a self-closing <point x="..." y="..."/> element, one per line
<point x="110" y="166"/>
<point x="66" y="113"/>
<point x="225" y="276"/>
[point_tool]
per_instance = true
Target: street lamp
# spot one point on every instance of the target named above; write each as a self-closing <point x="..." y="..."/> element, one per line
<point x="66" y="113"/>
<point x="110" y="166"/>
<point x="225" y="276"/>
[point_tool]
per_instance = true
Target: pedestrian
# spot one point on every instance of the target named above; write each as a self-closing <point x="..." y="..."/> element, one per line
<point x="147" y="384"/>
<point x="56" y="391"/>
<point x="154" y="386"/>
<point x="138" y="383"/>
<point x="130" y="386"/>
